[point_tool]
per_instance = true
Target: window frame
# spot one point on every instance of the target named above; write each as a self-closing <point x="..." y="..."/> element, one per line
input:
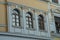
<point x="40" y="26"/>
<point x="56" y="25"/>
<point x="16" y="13"/>
<point x="29" y="13"/>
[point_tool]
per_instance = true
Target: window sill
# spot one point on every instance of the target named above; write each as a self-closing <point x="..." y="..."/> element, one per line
<point x="32" y="29"/>
<point x="8" y="34"/>
<point x="17" y="27"/>
<point x="55" y="35"/>
<point x="43" y="31"/>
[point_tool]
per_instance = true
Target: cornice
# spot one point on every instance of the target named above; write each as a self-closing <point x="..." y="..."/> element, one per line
<point x="23" y="35"/>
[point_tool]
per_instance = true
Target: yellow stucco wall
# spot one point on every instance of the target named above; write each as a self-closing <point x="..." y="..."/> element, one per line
<point x="33" y="3"/>
<point x="30" y="3"/>
<point x="3" y="17"/>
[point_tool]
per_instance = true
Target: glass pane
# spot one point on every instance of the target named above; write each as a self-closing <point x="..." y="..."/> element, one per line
<point x="17" y="16"/>
<point x="26" y="18"/>
<point x="17" y="20"/>
<point x="29" y="15"/>
<point x="13" y="20"/>
<point x="13" y="24"/>
<point x="13" y="16"/>
<point x="30" y="23"/>
<point x="26" y="22"/>
<point x="17" y="24"/>
<point x="29" y="19"/>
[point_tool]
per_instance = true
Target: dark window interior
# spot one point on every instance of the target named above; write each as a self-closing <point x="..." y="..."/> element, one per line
<point x="57" y="23"/>
<point x="41" y="22"/>
<point x="55" y="1"/>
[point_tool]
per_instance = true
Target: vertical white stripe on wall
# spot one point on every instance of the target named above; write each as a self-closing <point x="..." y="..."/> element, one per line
<point x="45" y="23"/>
<point x="9" y="15"/>
<point x="48" y="24"/>
<point x="58" y="1"/>
<point x="50" y="0"/>
<point x="24" y="19"/>
<point x="36" y="22"/>
<point x="16" y="6"/>
<point x="54" y="27"/>
<point x="21" y="18"/>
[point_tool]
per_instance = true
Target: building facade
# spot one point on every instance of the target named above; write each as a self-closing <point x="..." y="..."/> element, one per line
<point x="30" y="19"/>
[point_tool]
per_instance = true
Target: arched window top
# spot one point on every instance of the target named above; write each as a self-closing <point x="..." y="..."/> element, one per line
<point x="29" y="13"/>
<point x="41" y="16"/>
<point x="41" y="22"/>
<point x="17" y="10"/>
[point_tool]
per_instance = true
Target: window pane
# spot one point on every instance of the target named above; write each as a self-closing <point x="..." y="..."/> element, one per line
<point x="17" y="16"/>
<point x="29" y="19"/>
<point x="13" y="24"/>
<point x="17" y="24"/>
<point x="30" y="23"/>
<point x="13" y="19"/>
<point x="13" y="16"/>
<point x="26" y="18"/>
<point x="57" y="23"/>
<point x="26" y="22"/>
<point x="17" y="20"/>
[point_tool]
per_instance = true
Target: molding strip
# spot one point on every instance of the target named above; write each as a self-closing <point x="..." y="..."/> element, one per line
<point x="3" y="2"/>
<point x="3" y="25"/>
<point x="23" y="35"/>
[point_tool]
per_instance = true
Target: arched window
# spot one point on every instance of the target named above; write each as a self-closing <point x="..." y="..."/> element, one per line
<point x="55" y="1"/>
<point x="57" y="23"/>
<point x="41" y="22"/>
<point x="29" y="21"/>
<point x="16" y="18"/>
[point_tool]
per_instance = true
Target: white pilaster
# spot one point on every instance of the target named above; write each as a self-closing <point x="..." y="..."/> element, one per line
<point x="24" y="19"/>
<point x="9" y="17"/>
<point x="58" y="1"/>
<point x="49" y="18"/>
<point x="36" y="22"/>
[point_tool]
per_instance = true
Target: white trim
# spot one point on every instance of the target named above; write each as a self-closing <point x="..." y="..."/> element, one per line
<point x="56" y="14"/>
<point x="48" y="23"/>
<point x="54" y="24"/>
<point x="21" y="18"/>
<point x="36" y="22"/>
<point x="58" y="1"/>
<point x="16" y="6"/>
<point x="23" y="35"/>
<point x="9" y="17"/>
<point x="24" y="19"/>
<point x="3" y="25"/>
